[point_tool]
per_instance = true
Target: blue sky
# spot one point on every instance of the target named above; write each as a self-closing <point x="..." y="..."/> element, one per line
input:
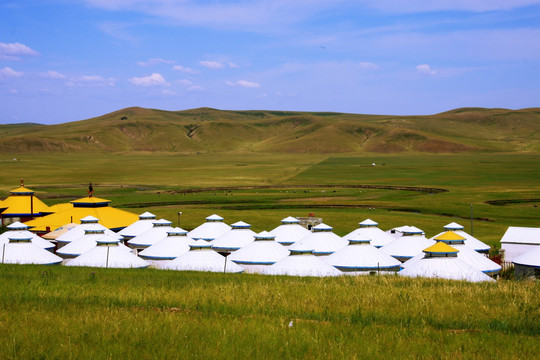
<point x="67" y="60"/>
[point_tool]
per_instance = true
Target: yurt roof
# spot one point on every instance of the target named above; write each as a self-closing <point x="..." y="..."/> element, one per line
<point x="150" y="236"/>
<point x="214" y="217"/>
<point x="28" y="253"/>
<point x="322" y="243"/>
<point x="440" y="248"/>
<point x="260" y="253"/>
<point x="209" y="229"/>
<point x="146" y="215"/>
<point x="453" y="226"/>
<point x="521" y="235"/>
<point x="289" y="233"/>
<point x="87" y="242"/>
<point x="530" y="258"/>
<point x="89" y="219"/>
<point x="264" y="235"/>
<point x="470" y="241"/>
<point x="202" y="260"/>
<point x="17" y="205"/>
<point x="362" y="258"/>
<point x="161" y="222"/>
<point x="290" y="220"/>
<point x="111" y="257"/>
<point x="322" y="227"/>
<point x="42" y="243"/>
<point x="176" y="231"/>
<point x="90" y="201"/>
<point x="21" y="190"/>
<point x="378" y="237"/>
<point x="449" y="236"/>
<point x="240" y="225"/>
<point x="368" y="222"/>
<point x="138" y="227"/>
<point x="407" y="246"/>
<point x="301" y="265"/>
<point x="167" y="248"/>
<point x="79" y="231"/>
<point x="452" y="268"/>
<point x="17" y="225"/>
<point x="234" y="239"/>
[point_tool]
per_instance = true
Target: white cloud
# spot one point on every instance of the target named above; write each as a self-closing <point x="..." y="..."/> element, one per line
<point x="153" y="80"/>
<point x="13" y="51"/>
<point x="51" y="74"/>
<point x="212" y="64"/>
<point x="196" y="88"/>
<point x="425" y="69"/>
<point x="233" y="65"/>
<point x="416" y="6"/>
<point x="368" y="66"/>
<point x="9" y="72"/>
<point x="243" y="83"/>
<point x="185" y="82"/>
<point x="167" y="92"/>
<point x="90" y="80"/>
<point x="154" y="61"/>
<point x="184" y="69"/>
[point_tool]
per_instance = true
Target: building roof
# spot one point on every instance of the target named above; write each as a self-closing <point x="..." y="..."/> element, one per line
<point x="406" y="247"/>
<point x="144" y="223"/>
<point x="453" y="226"/>
<point x="263" y="251"/>
<point x="79" y="230"/>
<point x="301" y="264"/>
<point x="470" y="240"/>
<point x="359" y="255"/>
<point x="440" y="248"/>
<point x="60" y="231"/>
<point x="368" y="222"/>
<point x="87" y="242"/>
<point x="290" y="220"/>
<point x="108" y="254"/>
<point x="173" y="245"/>
<point x="530" y="258"/>
<point x="521" y="235"/>
<point x="322" y="241"/>
<point x="378" y="237"/>
<point x="449" y="237"/>
<point x="42" y="243"/>
<point x="22" y="202"/>
<point x="151" y="236"/>
<point x="239" y="236"/>
<point x="289" y="231"/>
<point x="201" y="257"/>
<point x="21" y="250"/>
<point x="211" y="229"/>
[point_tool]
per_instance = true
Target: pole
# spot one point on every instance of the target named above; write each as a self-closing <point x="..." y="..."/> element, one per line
<point x="224" y="265"/>
<point x="178" y="223"/>
<point x="3" y="252"/>
<point x="107" y="262"/>
<point x="472" y="228"/>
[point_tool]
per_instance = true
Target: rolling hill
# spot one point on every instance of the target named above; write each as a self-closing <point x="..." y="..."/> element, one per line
<point x="206" y="130"/>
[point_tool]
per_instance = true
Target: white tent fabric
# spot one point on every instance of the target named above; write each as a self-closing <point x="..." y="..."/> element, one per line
<point x="470" y="240"/>
<point x="519" y="240"/>
<point x="407" y="246"/>
<point x="262" y="252"/>
<point x="239" y="236"/>
<point x="405" y="230"/>
<point x="20" y="228"/>
<point x="290" y="231"/>
<point x="368" y="229"/>
<point x="360" y="256"/>
<point x="321" y="240"/>
<point x="78" y="231"/>
<point x="86" y="242"/>
<point x="145" y="222"/>
<point x="108" y="253"/>
<point x="151" y="236"/>
<point x="21" y="250"/>
<point x="368" y="223"/>
<point x="201" y="257"/>
<point x="530" y="258"/>
<point x="301" y="263"/>
<point x="213" y="228"/>
<point x="175" y="244"/>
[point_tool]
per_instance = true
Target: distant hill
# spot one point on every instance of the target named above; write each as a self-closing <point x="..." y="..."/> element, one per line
<point x="210" y="130"/>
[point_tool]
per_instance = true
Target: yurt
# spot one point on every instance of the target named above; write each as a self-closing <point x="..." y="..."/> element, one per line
<point x="22" y="229"/>
<point x="213" y="228"/>
<point x="201" y="257"/>
<point x="470" y="240"/>
<point x="407" y="246"/>
<point x="519" y="240"/>
<point x="527" y="265"/>
<point x="402" y="230"/>
<point x="156" y="233"/>
<point x="79" y="230"/>
<point x="369" y="230"/>
<point x="262" y="252"/>
<point x="87" y="241"/>
<point x="175" y="244"/>
<point x="290" y="231"/>
<point x="21" y="250"/>
<point x="322" y="240"/>
<point x="21" y="205"/>
<point x="59" y="231"/>
<point x="145" y="222"/>
<point x="466" y="254"/>
<point x="441" y="261"/>
<point x="301" y="262"/>
<point x="239" y="236"/>
<point x="360" y="257"/>
<point x="108" y="253"/>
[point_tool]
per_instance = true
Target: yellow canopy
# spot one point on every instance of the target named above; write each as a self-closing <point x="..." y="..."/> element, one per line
<point x="449" y="236"/>
<point x="22" y="202"/>
<point x="441" y="248"/>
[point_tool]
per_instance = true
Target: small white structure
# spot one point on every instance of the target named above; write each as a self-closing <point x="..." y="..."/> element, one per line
<point x="21" y="250"/>
<point x="213" y="228"/>
<point x="359" y="257"/>
<point x="108" y="253"/>
<point x="262" y="252"/>
<point x="441" y="261"/>
<point x="411" y="243"/>
<point x="404" y="230"/>
<point x="470" y="240"/>
<point x="468" y="255"/>
<point x="322" y="240"/>
<point x="527" y="265"/>
<point x="368" y="229"/>
<point x="201" y="257"/>
<point x="290" y="231"/>
<point x="519" y="240"/>
<point x="78" y="231"/>
<point x="145" y="222"/>
<point x="239" y="236"/>
<point x="22" y="229"/>
<point x="175" y="244"/>
<point x="87" y="241"/>
<point x="156" y="233"/>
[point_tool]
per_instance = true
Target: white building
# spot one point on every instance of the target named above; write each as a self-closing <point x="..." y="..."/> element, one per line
<point x="290" y="231"/>
<point x="321" y="240"/>
<point x="239" y="236"/>
<point x="470" y="240"/>
<point x="411" y="243"/>
<point x="519" y="240"/>
<point x="369" y="229"/>
<point x="262" y="252"/>
<point x="527" y="265"/>
<point x="21" y="250"/>
<point x="175" y="244"/>
<point x="22" y="229"/>
<point x="157" y="232"/>
<point x="213" y="228"/>
<point x="145" y="222"/>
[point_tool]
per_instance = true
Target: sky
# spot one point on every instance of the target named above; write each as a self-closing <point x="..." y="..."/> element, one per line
<point x="69" y="60"/>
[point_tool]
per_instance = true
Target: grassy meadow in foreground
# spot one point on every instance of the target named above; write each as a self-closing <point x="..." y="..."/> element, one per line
<point x="83" y="313"/>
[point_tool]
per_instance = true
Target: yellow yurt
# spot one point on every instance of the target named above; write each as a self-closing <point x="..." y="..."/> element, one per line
<point x="22" y="205"/>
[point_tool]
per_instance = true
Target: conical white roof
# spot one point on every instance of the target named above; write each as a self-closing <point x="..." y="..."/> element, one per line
<point x="290" y="231"/>
<point x="263" y="251"/>
<point x="147" y="216"/>
<point x="86" y="242"/>
<point x="79" y="230"/>
<point x="239" y="236"/>
<point x="453" y="226"/>
<point x="322" y="240"/>
<point x="368" y="222"/>
<point x="405" y="230"/>
<point x="175" y="244"/>
<point x="378" y="237"/>
<point x="214" y="217"/>
<point x="470" y="240"/>
<point x="301" y="264"/>
<point x="108" y="253"/>
<point x="88" y="220"/>
<point x="21" y="250"/>
<point x="151" y="236"/>
<point x="145" y="222"/>
<point x="17" y="225"/>
<point x="530" y="258"/>
<point x="213" y="228"/>
<point x="42" y="243"/>
<point x="359" y="255"/>
<point x="201" y="257"/>
<point x="407" y="247"/>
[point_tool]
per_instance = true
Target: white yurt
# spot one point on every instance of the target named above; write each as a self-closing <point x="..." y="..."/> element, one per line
<point x="402" y="230"/>
<point x="368" y="229"/>
<point x="441" y="261"/>
<point x="322" y="240"/>
<point x="470" y="240"/>
<point x="468" y="255"/>
<point x="290" y="231"/>
<point x="21" y="250"/>
<point x="408" y="245"/>
<point x="108" y="253"/>
<point x="145" y="222"/>
<point x="527" y="265"/>
<point x="262" y="252"/>
<point x="239" y="236"/>
<point x="213" y="228"/>
<point x="175" y="244"/>
<point x="201" y="257"/>
<point x="519" y="240"/>
<point x="18" y="227"/>
<point x="87" y="241"/>
<point x="156" y="233"/>
<point x="301" y="262"/>
<point x="78" y="231"/>
<point x="360" y="257"/>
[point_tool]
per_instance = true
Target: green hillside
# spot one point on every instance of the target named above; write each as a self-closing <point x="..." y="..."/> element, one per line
<point x="208" y="130"/>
